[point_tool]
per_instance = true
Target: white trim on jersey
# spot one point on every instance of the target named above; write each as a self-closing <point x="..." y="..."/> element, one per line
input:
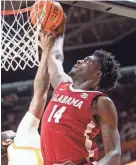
<point x="79" y="90"/>
<point x="88" y="142"/>
<point x="95" y="163"/>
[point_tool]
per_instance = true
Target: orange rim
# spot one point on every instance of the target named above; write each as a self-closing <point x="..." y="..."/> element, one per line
<point x="10" y="12"/>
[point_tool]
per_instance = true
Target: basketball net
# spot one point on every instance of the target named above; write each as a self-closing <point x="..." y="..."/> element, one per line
<point x="20" y="44"/>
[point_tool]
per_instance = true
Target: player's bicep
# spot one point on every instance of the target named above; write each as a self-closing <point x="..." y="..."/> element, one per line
<point x="59" y="77"/>
<point x="109" y="124"/>
<point x="56" y="72"/>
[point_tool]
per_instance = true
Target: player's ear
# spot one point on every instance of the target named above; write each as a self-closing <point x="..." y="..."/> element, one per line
<point x="6" y="142"/>
<point x="98" y="74"/>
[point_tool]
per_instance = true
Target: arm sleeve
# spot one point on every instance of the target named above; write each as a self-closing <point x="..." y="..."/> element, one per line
<point x="28" y="123"/>
<point x="27" y="132"/>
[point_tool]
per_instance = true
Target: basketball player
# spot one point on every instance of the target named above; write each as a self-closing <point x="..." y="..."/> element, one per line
<point x="23" y="147"/>
<point x="79" y="109"/>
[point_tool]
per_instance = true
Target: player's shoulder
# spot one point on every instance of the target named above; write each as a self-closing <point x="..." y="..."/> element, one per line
<point x="64" y="85"/>
<point x="105" y="106"/>
<point x="104" y="100"/>
<point x="94" y="96"/>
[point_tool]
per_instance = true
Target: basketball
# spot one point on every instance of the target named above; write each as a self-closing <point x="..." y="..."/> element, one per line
<point x="49" y="14"/>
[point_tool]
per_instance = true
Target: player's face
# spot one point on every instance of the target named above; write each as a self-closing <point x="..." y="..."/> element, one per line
<point x="87" y="69"/>
<point x="10" y="135"/>
<point x="7" y="142"/>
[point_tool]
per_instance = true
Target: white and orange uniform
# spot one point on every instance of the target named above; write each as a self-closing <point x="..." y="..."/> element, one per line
<point x="26" y="147"/>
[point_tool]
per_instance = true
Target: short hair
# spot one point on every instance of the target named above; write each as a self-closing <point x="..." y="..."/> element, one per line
<point x="5" y="136"/>
<point x="110" y="70"/>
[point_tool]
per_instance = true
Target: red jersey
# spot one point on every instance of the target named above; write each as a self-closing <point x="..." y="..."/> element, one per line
<point x="68" y="127"/>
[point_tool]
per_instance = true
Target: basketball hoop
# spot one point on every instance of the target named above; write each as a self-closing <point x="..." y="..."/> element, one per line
<point x="19" y="36"/>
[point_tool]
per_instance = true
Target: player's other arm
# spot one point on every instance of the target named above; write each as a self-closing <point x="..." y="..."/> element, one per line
<point x="109" y="127"/>
<point x="41" y="85"/>
<point x="41" y="81"/>
<point x="55" y="61"/>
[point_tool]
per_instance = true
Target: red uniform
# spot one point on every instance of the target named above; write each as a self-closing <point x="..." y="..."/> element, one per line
<point x="68" y="127"/>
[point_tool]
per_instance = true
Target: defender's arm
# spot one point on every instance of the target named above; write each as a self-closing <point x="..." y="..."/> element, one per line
<point x="108" y="122"/>
<point x="41" y="85"/>
<point x="41" y="81"/>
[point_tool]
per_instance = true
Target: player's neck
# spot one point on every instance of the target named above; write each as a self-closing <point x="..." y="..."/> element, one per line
<point x="86" y="85"/>
<point x="79" y="83"/>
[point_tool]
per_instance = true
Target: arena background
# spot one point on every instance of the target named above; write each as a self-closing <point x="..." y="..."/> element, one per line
<point x="86" y="31"/>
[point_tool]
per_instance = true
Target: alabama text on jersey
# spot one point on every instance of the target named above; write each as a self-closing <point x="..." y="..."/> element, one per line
<point x="68" y="127"/>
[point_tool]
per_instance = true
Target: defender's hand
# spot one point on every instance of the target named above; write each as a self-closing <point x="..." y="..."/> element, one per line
<point x="47" y="40"/>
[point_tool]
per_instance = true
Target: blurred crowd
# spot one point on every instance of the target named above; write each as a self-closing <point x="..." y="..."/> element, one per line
<point x="14" y="107"/>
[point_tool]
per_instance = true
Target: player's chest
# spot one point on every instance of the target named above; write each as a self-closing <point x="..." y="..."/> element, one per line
<point x="68" y="108"/>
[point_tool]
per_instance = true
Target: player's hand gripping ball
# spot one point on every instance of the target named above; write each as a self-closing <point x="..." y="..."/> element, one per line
<point x="49" y="14"/>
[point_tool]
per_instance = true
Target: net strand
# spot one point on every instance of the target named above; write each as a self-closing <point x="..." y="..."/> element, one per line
<point x="20" y="39"/>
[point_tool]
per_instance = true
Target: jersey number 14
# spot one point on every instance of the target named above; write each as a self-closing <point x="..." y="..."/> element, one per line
<point x="56" y="114"/>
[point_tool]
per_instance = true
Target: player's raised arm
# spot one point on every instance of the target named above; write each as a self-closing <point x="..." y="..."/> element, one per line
<point x="32" y="118"/>
<point x="108" y="122"/>
<point x="55" y="61"/>
<point x="55" y="68"/>
<point x="41" y="81"/>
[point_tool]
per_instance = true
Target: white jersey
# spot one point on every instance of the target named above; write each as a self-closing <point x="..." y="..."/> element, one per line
<point x="26" y="147"/>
